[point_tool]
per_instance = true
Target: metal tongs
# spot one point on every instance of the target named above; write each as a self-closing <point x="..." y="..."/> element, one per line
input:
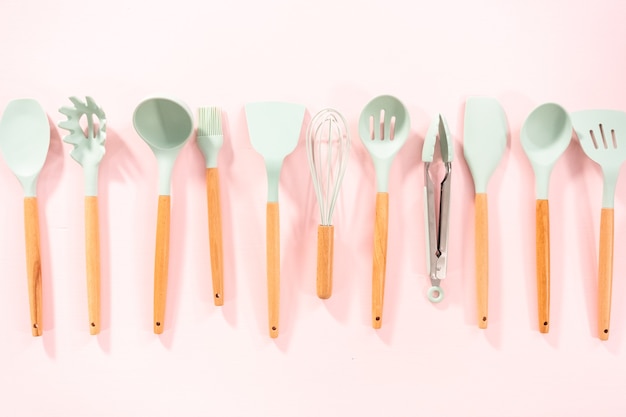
<point x="437" y="241"/>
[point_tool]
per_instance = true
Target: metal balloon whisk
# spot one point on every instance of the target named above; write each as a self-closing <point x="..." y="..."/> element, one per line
<point x="328" y="147"/>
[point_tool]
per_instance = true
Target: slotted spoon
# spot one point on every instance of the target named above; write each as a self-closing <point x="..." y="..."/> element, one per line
<point x="602" y="135"/>
<point x="384" y="127"/>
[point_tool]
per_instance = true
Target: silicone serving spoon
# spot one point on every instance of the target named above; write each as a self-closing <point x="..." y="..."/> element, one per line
<point x="274" y="130"/>
<point x="602" y="135"/>
<point x="484" y="142"/>
<point x="24" y="142"/>
<point x="88" y="152"/>
<point x="165" y="125"/>
<point x="384" y="127"/>
<point x="545" y="135"/>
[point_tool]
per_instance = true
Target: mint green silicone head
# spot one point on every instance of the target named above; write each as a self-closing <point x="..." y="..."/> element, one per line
<point x="165" y="124"/>
<point x="545" y="135"/>
<point x="602" y="135"/>
<point x="88" y="147"/>
<point x="384" y="127"/>
<point x="484" y="138"/>
<point x="24" y="141"/>
<point x="274" y="129"/>
<point x="438" y="128"/>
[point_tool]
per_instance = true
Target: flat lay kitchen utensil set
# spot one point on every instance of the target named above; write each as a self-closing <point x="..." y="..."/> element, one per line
<point x="275" y="129"/>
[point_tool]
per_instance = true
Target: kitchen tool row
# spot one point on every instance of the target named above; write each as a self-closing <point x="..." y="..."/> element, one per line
<point x="166" y="124"/>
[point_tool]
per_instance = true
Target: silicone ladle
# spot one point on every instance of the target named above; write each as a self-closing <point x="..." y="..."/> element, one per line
<point x="165" y="124"/>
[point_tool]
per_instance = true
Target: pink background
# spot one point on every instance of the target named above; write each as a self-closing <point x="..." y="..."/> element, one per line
<point x="427" y="359"/>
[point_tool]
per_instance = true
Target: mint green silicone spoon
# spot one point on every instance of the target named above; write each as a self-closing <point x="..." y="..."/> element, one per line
<point x="165" y="125"/>
<point x="384" y="127"/>
<point x="24" y="142"/>
<point x="545" y="135"/>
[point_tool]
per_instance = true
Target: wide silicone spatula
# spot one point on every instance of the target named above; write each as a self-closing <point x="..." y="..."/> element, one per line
<point x="602" y="135"/>
<point x="274" y="130"/>
<point x="484" y="142"/>
<point x="24" y="142"/>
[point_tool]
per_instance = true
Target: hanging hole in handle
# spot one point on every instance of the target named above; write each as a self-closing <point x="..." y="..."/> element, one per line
<point x="273" y="328"/>
<point x="158" y="323"/>
<point x="545" y="323"/>
<point x="217" y="295"/>
<point x="377" y="318"/>
<point x="35" y="326"/>
<point x="484" y="318"/>
<point x="435" y="294"/>
<point x="606" y="331"/>
<point x="93" y="324"/>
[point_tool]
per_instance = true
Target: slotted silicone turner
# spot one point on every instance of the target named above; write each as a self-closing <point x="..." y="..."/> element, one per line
<point x="602" y="135"/>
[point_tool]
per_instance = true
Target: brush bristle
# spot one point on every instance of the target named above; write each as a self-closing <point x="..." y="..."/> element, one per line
<point x="209" y="121"/>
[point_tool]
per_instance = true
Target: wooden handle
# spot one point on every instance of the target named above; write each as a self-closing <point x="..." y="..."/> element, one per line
<point x="273" y="267"/>
<point x="92" y="247"/>
<point x="482" y="258"/>
<point x="325" y="261"/>
<point x="605" y="274"/>
<point x="380" y="258"/>
<point x="33" y="264"/>
<point x="161" y="259"/>
<point x="542" y="223"/>
<point x="215" y="234"/>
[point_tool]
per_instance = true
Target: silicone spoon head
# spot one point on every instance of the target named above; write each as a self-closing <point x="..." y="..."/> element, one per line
<point x="25" y="140"/>
<point x="384" y="127"/>
<point x="545" y="135"/>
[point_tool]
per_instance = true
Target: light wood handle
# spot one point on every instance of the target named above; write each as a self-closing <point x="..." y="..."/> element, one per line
<point x="325" y="261"/>
<point x="92" y="248"/>
<point x="161" y="260"/>
<point x="542" y="235"/>
<point x="605" y="274"/>
<point x="33" y="264"/>
<point x="380" y="258"/>
<point x="215" y="234"/>
<point x="482" y="258"/>
<point x="273" y="267"/>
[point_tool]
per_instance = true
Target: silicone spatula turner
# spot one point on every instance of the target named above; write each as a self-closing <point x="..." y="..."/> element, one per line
<point x="484" y="142"/>
<point x="602" y="135"/>
<point x="24" y="142"/>
<point x="274" y="130"/>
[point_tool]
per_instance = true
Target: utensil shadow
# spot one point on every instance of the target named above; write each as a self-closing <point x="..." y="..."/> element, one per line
<point x="49" y="180"/>
<point x="118" y="166"/>
<point x="578" y="166"/>
<point x="178" y="244"/>
<point x="295" y="246"/>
